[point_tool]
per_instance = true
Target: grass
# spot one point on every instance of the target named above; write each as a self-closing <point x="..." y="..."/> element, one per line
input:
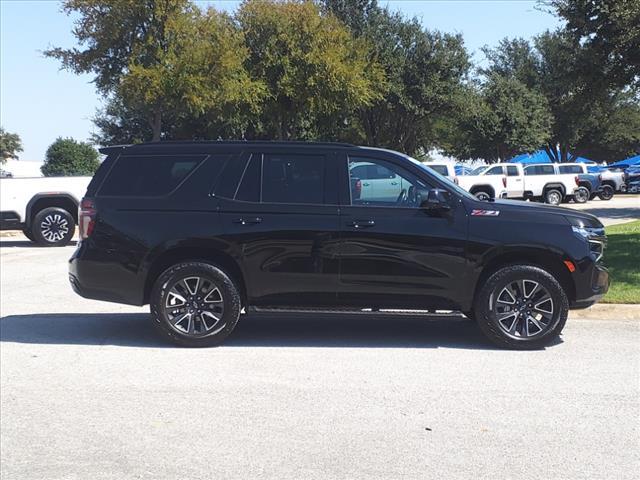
<point x="622" y="257"/>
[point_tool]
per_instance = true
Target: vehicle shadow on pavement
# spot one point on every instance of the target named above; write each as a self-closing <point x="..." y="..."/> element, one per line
<point x="255" y="330"/>
<point x="614" y="213"/>
<point x="29" y="244"/>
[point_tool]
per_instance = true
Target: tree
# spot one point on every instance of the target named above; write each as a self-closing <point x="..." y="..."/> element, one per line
<point x="159" y="58"/>
<point x="10" y="145"/>
<point x="314" y="71"/>
<point x="583" y="102"/>
<point x="424" y="72"/>
<point x="496" y="121"/>
<point x="609" y="30"/>
<point x="66" y="158"/>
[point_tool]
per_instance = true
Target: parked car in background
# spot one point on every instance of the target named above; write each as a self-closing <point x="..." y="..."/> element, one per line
<point x="632" y="179"/>
<point x="487" y="182"/>
<point x="445" y="169"/>
<point x="204" y="230"/>
<point x="44" y="208"/>
<point x="544" y="182"/>
<point x="589" y="183"/>
<point x="614" y="178"/>
<point x="5" y="174"/>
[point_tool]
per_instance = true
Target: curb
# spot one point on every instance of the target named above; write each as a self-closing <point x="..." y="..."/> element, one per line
<point x="607" y="311"/>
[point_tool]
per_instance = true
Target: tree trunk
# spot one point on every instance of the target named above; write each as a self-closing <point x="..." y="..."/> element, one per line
<point x="156" y="125"/>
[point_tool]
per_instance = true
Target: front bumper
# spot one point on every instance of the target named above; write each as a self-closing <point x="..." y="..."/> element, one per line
<point x="591" y="285"/>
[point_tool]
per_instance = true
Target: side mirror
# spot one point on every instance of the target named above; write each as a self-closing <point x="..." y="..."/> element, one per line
<point x="437" y="201"/>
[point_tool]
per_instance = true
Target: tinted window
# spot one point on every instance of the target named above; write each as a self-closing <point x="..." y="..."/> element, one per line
<point x="227" y="184"/>
<point x="148" y="175"/>
<point x="512" y="171"/>
<point x="293" y="179"/>
<point x="249" y="188"/>
<point x="570" y="169"/>
<point x="539" y="170"/>
<point x="398" y="188"/>
<point x="494" y="171"/>
<point x="441" y="169"/>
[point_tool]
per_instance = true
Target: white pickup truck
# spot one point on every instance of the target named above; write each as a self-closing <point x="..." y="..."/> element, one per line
<point x="488" y="181"/>
<point x="44" y="208"/>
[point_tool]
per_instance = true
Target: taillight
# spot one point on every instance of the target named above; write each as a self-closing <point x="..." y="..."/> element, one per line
<point x="86" y="217"/>
<point x="358" y="189"/>
<point x="504" y="182"/>
<point x="600" y="177"/>
<point x="456" y="181"/>
<point x="577" y="179"/>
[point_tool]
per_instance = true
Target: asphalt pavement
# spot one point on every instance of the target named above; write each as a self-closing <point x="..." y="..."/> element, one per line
<point x="87" y="390"/>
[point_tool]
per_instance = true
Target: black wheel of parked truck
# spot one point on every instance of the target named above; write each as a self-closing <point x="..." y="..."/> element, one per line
<point x="521" y="307"/>
<point x="195" y="304"/>
<point x="52" y="227"/>
<point x="606" y="193"/>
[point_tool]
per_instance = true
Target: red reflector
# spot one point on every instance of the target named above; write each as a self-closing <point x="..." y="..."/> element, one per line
<point x="504" y="182"/>
<point x="577" y="179"/>
<point x="86" y="217"/>
<point x="569" y="264"/>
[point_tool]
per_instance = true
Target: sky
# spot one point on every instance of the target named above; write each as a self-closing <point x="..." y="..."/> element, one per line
<point x="40" y="102"/>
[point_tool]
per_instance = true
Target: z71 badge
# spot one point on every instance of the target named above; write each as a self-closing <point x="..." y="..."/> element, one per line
<point x="485" y="213"/>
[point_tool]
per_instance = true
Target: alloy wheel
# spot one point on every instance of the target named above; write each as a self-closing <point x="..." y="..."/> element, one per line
<point x="195" y="306"/>
<point x="523" y="309"/>
<point x="483" y="196"/>
<point x="54" y="227"/>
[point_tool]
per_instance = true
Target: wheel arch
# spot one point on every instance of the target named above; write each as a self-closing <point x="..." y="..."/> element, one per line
<point x="554" y="186"/>
<point x="178" y="254"/>
<point x="483" y="188"/>
<point x="41" y="201"/>
<point x="551" y="262"/>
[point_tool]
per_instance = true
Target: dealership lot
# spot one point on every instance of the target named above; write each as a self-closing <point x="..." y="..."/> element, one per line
<point x="89" y="391"/>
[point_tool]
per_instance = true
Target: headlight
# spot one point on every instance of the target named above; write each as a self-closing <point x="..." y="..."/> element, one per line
<point x="595" y="236"/>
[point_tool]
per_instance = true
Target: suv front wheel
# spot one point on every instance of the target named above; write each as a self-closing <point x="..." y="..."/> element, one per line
<point x="195" y="304"/>
<point x="521" y="307"/>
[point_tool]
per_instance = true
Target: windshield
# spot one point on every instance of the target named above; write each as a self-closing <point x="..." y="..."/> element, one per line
<point x="478" y="170"/>
<point x="450" y="184"/>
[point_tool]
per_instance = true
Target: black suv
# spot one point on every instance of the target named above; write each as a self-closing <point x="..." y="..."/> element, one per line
<point x="202" y="230"/>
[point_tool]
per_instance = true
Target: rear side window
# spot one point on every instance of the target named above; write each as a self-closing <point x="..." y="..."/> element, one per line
<point x="441" y="169"/>
<point x="148" y="175"/>
<point x="293" y="179"/>
<point x="570" y="169"/>
<point x="249" y="188"/>
<point x="539" y="170"/>
<point x="512" y="171"/>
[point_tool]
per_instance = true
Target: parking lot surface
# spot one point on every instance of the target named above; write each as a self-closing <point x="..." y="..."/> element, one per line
<point x="88" y="390"/>
<point x="620" y="209"/>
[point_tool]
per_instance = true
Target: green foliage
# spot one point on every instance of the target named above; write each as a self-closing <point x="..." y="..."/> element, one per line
<point x="585" y="107"/>
<point x="424" y="73"/>
<point x="622" y="257"/>
<point x="610" y="31"/>
<point x="66" y="158"/>
<point x="498" y="120"/>
<point x="10" y="145"/>
<point x="314" y="71"/>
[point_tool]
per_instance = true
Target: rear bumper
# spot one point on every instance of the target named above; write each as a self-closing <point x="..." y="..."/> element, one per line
<point x="96" y="276"/>
<point x="591" y="285"/>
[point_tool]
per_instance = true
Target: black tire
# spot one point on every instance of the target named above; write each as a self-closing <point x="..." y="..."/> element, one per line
<point x="486" y="308"/>
<point x="53" y="227"/>
<point x="581" y="195"/>
<point x="482" y="195"/>
<point x="606" y="193"/>
<point x="553" y="196"/>
<point x="27" y="233"/>
<point x="229" y="299"/>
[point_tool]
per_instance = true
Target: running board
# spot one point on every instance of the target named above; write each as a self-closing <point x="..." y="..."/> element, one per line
<point x="354" y="311"/>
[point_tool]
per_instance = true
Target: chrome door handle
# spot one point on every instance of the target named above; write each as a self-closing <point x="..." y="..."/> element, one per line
<point x="365" y="184"/>
<point x="362" y="224"/>
<point x="248" y="221"/>
<point x="394" y="183"/>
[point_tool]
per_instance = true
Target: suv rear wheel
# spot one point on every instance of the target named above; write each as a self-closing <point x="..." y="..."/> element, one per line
<point x="581" y="195"/>
<point x="521" y="307"/>
<point x="195" y="304"/>
<point x="52" y="227"/>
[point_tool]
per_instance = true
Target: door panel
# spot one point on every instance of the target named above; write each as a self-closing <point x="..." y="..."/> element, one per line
<point x="287" y="251"/>
<point x="401" y="256"/>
